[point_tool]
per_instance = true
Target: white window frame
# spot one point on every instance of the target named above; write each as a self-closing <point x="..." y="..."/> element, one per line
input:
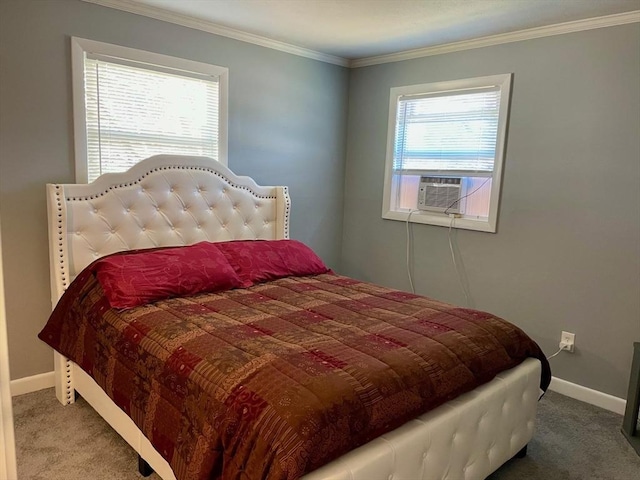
<point x="81" y="47"/>
<point x="489" y="224"/>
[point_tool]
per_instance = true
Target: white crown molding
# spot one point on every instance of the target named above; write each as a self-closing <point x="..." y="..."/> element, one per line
<point x="518" y="36"/>
<point x="210" y="27"/>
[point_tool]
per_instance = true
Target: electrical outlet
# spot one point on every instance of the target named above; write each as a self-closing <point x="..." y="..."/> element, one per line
<point x="567" y="341"/>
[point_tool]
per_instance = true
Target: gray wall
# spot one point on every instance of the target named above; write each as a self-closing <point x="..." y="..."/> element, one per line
<point x="287" y="126"/>
<point x="566" y="255"/>
<point x="567" y="251"/>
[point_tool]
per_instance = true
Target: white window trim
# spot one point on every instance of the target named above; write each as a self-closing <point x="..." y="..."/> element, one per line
<point x="81" y="47"/>
<point x="433" y="218"/>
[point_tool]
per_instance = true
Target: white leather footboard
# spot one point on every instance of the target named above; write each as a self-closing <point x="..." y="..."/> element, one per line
<point x="466" y="438"/>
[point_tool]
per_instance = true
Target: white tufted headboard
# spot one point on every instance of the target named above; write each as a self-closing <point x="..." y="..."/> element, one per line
<point x="165" y="200"/>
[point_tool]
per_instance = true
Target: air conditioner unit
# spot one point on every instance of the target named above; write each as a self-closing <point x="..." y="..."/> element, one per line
<point x="440" y="194"/>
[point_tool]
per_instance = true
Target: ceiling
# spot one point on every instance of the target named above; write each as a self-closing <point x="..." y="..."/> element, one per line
<point x="355" y="29"/>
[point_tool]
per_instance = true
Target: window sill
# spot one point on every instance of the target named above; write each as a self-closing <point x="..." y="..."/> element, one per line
<point x="440" y="219"/>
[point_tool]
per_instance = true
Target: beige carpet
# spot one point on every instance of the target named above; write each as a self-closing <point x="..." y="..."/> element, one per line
<point x="68" y="443"/>
<point x="574" y="441"/>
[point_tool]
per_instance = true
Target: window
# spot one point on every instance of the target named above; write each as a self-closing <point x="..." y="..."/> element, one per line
<point x="130" y="104"/>
<point x="445" y="152"/>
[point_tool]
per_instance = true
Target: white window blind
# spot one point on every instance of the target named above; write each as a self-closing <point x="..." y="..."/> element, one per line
<point x="135" y="110"/>
<point x="449" y="131"/>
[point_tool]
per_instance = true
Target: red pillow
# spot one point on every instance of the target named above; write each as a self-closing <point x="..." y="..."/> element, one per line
<point x="136" y="278"/>
<point x="263" y="260"/>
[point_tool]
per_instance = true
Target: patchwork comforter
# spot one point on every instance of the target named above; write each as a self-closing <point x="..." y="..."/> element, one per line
<point x="275" y="380"/>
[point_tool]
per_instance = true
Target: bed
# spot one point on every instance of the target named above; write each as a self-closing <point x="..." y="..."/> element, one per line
<point x="168" y="201"/>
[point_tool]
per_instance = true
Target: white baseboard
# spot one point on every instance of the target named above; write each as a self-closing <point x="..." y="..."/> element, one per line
<point x="33" y="383"/>
<point x="573" y="390"/>
<point x="587" y="395"/>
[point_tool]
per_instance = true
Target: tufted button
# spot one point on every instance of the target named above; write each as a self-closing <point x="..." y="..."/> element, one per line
<point x="157" y="209"/>
<point x="95" y="210"/>
<point x="144" y="229"/>
<point x="172" y="227"/>
<point x="185" y="209"/>
<point x="128" y="209"/>
<point x="245" y="224"/>
<point x="171" y="189"/>
<point x="198" y="227"/>
<point x="78" y="232"/>
<point x="113" y="230"/>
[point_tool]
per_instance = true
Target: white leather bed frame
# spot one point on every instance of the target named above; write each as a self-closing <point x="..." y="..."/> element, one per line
<point x="173" y="200"/>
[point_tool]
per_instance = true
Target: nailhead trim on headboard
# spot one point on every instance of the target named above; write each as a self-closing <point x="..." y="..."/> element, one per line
<point x="69" y="391"/>
<point x="171" y="167"/>
<point x="287" y="211"/>
<point x="61" y="258"/>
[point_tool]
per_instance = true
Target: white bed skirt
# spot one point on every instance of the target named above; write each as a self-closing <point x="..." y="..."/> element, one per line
<point x="467" y="438"/>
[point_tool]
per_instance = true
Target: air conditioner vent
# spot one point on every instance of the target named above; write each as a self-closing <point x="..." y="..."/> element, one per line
<point x="438" y="194"/>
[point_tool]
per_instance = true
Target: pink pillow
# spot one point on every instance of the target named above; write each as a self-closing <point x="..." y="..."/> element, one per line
<point x="135" y="278"/>
<point x="263" y="260"/>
